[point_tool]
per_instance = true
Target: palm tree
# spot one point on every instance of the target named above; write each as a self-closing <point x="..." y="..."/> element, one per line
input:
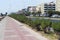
<point x="39" y="12"/>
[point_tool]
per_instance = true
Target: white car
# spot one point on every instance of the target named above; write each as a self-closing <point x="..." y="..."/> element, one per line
<point x="55" y="16"/>
<point x="31" y="15"/>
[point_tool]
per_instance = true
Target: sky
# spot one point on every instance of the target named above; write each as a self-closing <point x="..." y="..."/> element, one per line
<point x="15" y="5"/>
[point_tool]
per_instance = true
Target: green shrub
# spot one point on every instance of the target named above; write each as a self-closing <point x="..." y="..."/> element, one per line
<point x="56" y="26"/>
<point x="44" y="23"/>
<point x="21" y="18"/>
<point x="33" y="23"/>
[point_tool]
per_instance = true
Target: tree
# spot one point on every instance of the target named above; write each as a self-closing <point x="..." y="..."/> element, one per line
<point x="1" y="14"/>
<point x="28" y="13"/>
<point x="57" y="12"/>
<point x="6" y="13"/>
<point x="50" y="12"/>
<point x="34" y="14"/>
<point x="39" y="12"/>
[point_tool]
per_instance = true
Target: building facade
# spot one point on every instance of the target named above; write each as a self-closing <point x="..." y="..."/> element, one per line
<point x="47" y="7"/>
<point x="31" y="9"/>
<point x="38" y="8"/>
<point x="43" y="8"/>
<point x="58" y="5"/>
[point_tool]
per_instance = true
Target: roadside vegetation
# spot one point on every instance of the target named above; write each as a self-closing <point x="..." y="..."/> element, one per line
<point x="45" y="26"/>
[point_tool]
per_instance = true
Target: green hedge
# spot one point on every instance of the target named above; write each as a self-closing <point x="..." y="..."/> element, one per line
<point x="56" y="26"/>
<point x="33" y="23"/>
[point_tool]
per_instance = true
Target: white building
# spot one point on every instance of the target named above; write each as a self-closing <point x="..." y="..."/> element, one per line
<point x="42" y="8"/>
<point x="38" y="8"/>
<point x="31" y="9"/>
<point x="46" y="7"/>
<point x="58" y="5"/>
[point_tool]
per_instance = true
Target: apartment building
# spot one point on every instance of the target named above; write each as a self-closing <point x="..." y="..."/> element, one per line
<point x="58" y="5"/>
<point x="46" y="7"/>
<point x="31" y="9"/>
<point x="43" y="8"/>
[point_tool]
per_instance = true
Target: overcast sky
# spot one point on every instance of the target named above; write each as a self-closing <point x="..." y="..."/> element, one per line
<point x="15" y="5"/>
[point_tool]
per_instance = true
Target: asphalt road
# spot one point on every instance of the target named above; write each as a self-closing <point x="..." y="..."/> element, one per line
<point x="10" y="29"/>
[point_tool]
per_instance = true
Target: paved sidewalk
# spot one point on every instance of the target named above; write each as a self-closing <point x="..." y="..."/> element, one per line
<point x="13" y="30"/>
<point x="2" y="28"/>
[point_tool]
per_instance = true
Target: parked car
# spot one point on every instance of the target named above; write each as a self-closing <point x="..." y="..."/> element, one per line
<point x="31" y="15"/>
<point x="55" y="16"/>
<point x="45" y="15"/>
